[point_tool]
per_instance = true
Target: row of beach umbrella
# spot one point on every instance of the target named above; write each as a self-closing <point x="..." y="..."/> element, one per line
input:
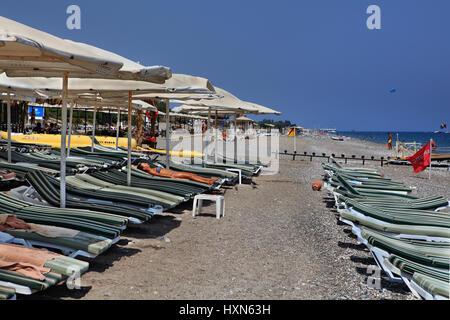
<point x="35" y="64"/>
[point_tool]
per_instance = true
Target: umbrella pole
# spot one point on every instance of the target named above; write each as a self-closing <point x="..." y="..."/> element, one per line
<point x="209" y="119"/>
<point x="118" y="128"/>
<point x="207" y="136"/>
<point x="167" y="134"/>
<point x="235" y="138"/>
<point x="8" y="121"/>
<point x="70" y="129"/>
<point x="63" y="140"/>
<point x="130" y="100"/>
<point x="257" y="146"/>
<point x="94" y="123"/>
<point x="215" y="140"/>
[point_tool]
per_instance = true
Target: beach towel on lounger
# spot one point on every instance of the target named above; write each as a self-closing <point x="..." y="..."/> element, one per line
<point x="69" y="238"/>
<point x="10" y="222"/>
<point x="25" y="261"/>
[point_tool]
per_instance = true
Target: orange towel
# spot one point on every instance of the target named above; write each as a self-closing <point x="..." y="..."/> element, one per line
<point x="10" y="222"/>
<point x="26" y="261"/>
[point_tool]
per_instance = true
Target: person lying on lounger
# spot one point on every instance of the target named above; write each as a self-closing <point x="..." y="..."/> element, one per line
<point x="160" y="172"/>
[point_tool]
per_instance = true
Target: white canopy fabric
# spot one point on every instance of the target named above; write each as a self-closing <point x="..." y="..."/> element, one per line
<point x="99" y="104"/>
<point x="28" y="52"/>
<point x="259" y="109"/>
<point x="229" y="102"/>
<point x="184" y="85"/>
<point x="193" y="109"/>
<point x="183" y="115"/>
<point x="177" y="96"/>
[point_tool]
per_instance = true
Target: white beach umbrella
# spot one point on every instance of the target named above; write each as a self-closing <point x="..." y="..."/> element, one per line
<point x="28" y="52"/>
<point x="191" y="88"/>
<point x="229" y="102"/>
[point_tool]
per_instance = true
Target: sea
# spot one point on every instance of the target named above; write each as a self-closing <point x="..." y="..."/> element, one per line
<point x="442" y="139"/>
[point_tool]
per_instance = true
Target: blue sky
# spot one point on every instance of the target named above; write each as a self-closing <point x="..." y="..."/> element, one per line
<point x="314" y="60"/>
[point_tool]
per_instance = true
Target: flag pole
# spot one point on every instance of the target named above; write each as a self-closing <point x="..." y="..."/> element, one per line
<point x="431" y="149"/>
<point x="295" y="142"/>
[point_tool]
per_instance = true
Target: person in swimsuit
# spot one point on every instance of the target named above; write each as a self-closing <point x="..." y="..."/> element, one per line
<point x="389" y="144"/>
<point x="160" y="172"/>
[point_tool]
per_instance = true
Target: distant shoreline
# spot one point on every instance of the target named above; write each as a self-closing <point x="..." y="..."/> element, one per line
<point x="380" y="137"/>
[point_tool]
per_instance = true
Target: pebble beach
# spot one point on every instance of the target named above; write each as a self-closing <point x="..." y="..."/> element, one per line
<point x="279" y="240"/>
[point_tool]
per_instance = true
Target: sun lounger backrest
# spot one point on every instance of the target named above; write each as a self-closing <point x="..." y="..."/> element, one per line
<point x="347" y="185"/>
<point x="335" y="163"/>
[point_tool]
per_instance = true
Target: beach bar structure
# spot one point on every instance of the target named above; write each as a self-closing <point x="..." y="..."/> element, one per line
<point x="228" y="105"/>
<point x="244" y="122"/>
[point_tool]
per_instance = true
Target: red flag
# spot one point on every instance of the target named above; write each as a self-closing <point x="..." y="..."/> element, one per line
<point x="422" y="159"/>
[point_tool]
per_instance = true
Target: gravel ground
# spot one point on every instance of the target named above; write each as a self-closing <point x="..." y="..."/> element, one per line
<point x="278" y="240"/>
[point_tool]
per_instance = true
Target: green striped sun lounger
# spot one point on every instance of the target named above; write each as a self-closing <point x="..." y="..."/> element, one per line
<point x="433" y="254"/>
<point x="422" y="265"/>
<point x="427" y="282"/>
<point x="50" y="193"/>
<point x="81" y="244"/>
<point x="166" y="199"/>
<point x="205" y="172"/>
<point x="27" y="286"/>
<point x="428" y="233"/>
<point x="92" y="222"/>
<point x="401" y="216"/>
<point x="374" y="192"/>
<point x="173" y="186"/>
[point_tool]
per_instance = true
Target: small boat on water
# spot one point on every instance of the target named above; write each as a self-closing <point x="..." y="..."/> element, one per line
<point x="337" y="138"/>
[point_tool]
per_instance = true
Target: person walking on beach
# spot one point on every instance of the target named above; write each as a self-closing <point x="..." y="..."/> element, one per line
<point x="389" y="144"/>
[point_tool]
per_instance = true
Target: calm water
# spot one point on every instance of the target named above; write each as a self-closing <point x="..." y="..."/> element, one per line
<point x="442" y="140"/>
